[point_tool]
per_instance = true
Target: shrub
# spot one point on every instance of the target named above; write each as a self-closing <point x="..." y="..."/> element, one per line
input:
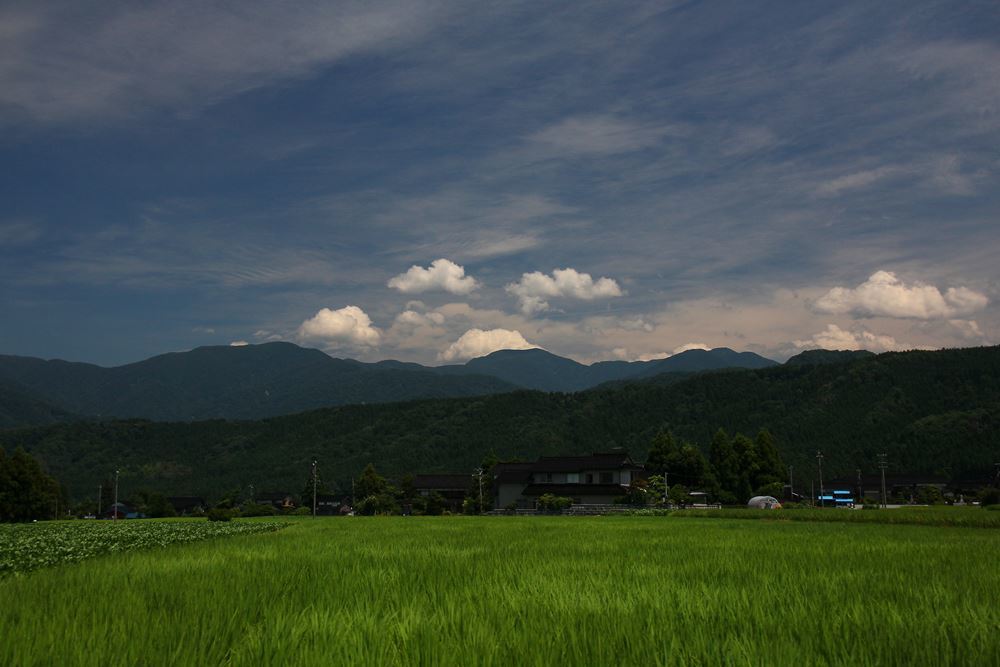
<point x="253" y="509"/>
<point x="302" y="511"/>
<point x="989" y="496"/>
<point x="552" y="503"/>
<point x="218" y="514"/>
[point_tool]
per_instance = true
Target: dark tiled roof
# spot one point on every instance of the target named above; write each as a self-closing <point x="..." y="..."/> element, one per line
<point x="443" y="481"/>
<point x="515" y="472"/>
<point x="186" y="502"/>
<point x="272" y="495"/>
<point x="574" y="490"/>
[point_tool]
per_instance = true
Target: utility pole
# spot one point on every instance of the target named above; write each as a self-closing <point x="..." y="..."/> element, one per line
<point x="791" y="485"/>
<point x="819" y="459"/>
<point x="100" y="489"/>
<point x="882" y="466"/>
<point x="860" y="491"/>
<point x="314" y="488"/>
<point x="479" y="475"/>
<point x="253" y="499"/>
<point x="114" y="508"/>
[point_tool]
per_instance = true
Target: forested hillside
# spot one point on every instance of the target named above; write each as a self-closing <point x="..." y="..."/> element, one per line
<point x="935" y="412"/>
<point x="249" y="382"/>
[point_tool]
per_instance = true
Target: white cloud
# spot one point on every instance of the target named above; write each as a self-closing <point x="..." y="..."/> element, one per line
<point x="442" y="274"/>
<point x="690" y="346"/>
<point x="835" y="338"/>
<point x="122" y="57"/>
<point x="347" y="327"/>
<point x="534" y="289"/>
<point x="239" y="343"/>
<point x="623" y="353"/>
<point x="597" y="135"/>
<point x="885" y="295"/>
<point x="414" y="319"/>
<point x="970" y="330"/>
<point x="857" y="180"/>
<point x="477" y="343"/>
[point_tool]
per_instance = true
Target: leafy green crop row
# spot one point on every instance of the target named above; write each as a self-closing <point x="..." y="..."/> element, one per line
<point x="26" y="547"/>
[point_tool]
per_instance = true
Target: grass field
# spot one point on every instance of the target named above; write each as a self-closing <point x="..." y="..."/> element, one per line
<point x="523" y="591"/>
<point x="937" y="515"/>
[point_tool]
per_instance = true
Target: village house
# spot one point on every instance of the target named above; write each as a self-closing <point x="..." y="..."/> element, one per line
<point x="594" y="479"/>
<point x="453" y="487"/>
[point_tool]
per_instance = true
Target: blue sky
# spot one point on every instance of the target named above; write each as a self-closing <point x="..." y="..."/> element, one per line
<point x="602" y="180"/>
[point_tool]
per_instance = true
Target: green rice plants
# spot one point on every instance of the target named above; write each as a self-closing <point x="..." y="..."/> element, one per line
<point x="549" y="590"/>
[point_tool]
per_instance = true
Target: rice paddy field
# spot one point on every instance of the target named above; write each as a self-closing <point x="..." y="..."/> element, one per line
<point x="522" y="591"/>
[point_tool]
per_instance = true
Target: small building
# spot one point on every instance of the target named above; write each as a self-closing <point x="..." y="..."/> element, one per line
<point x="453" y="487"/>
<point x="187" y="505"/>
<point x="327" y="504"/>
<point x="594" y="479"/>
<point x="279" y="500"/>
<point x="117" y="511"/>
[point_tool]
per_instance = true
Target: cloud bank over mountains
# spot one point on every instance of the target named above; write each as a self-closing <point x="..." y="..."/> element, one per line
<point x="602" y="181"/>
<point x="885" y="295"/>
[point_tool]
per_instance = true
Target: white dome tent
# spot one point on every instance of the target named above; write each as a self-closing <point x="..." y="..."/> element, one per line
<point x="764" y="503"/>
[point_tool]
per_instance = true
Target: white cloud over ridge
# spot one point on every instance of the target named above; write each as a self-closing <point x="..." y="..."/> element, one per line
<point x="442" y="274"/>
<point x="477" y="343"/>
<point x="534" y="289"/>
<point x="835" y="338"/>
<point x="348" y="327"/>
<point x="885" y="295"/>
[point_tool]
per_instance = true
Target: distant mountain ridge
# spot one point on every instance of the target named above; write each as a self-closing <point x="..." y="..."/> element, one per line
<point x="272" y="379"/>
<point x="930" y="412"/>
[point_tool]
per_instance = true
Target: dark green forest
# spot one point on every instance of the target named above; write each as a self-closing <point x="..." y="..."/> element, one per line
<point x="930" y="412"/>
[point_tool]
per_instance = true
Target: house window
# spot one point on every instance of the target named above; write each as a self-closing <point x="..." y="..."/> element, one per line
<point x="573" y="478"/>
<point x="605" y="478"/>
<point x="590" y="478"/>
<point x="548" y="477"/>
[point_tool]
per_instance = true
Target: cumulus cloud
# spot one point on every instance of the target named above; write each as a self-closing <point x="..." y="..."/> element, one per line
<point x="477" y="343"/>
<point x="442" y="274"/>
<point x="534" y="289"/>
<point x="414" y="319"/>
<point x="347" y="327"/>
<point x="885" y="295"/>
<point x="835" y="338"/>
<point x="239" y="343"/>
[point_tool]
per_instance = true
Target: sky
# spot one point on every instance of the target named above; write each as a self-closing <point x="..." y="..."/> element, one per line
<point x="430" y="181"/>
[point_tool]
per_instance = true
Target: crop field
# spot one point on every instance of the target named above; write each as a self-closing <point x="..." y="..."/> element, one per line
<point x="26" y="547"/>
<point x="523" y="591"/>
<point x="941" y="515"/>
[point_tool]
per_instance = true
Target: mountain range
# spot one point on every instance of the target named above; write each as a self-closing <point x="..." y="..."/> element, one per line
<point x="260" y="381"/>
<point x="930" y="412"/>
